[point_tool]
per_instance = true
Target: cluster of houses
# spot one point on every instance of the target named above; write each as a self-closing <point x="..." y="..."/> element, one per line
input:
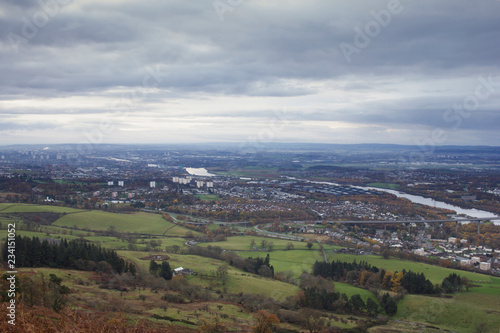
<point x="480" y="256"/>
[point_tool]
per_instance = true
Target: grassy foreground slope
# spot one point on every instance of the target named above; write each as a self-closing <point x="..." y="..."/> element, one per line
<point x="238" y="281"/>
<point x="464" y="312"/>
<point x="475" y="310"/>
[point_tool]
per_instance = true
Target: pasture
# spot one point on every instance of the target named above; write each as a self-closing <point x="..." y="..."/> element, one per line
<point x="242" y="243"/>
<point x="464" y="312"/>
<point x="238" y="281"/>
<point x="141" y="223"/>
<point x="296" y="261"/>
<point x="299" y="261"/>
<point x="435" y="274"/>
<point x="26" y="208"/>
<point x="351" y="290"/>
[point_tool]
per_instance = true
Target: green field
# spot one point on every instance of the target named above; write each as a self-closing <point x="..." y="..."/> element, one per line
<point x="351" y="290"/>
<point x="435" y="274"/>
<point x="492" y="288"/>
<point x="296" y="261"/>
<point x="242" y="243"/>
<point x="238" y="280"/>
<point x="25" y="208"/>
<point x="118" y="244"/>
<point x="299" y="261"/>
<point x="208" y="197"/>
<point x="461" y="313"/>
<point x="143" y="223"/>
<point x="3" y="234"/>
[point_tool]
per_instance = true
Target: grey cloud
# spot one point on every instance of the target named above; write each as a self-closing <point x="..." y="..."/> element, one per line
<point x="9" y="126"/>
<point x="94" y="48"/>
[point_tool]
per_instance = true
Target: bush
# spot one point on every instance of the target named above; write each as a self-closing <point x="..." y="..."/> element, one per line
<point x="173" y="298"/>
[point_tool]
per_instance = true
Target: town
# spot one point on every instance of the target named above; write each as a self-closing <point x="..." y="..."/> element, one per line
<point x="303" y="192"/>
<point x="184" y="230"/>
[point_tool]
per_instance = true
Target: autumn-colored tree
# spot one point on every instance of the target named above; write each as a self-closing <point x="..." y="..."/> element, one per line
<point x="364" y="276"/>
<point x="265" y="322"/>
<point x="386" y="283"/>
<point x="396" y="281"/>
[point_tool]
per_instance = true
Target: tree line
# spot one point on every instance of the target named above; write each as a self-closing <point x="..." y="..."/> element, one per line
<point x="73" y="254"/>
<point x="367" y="276"/>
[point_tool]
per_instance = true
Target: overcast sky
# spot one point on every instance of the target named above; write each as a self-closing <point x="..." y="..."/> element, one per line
<point x="174" y="71"/>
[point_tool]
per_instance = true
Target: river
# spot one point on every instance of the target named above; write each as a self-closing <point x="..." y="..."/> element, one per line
<point x="476" y="213"/>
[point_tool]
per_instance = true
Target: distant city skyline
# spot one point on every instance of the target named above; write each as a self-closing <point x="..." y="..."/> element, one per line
<point x="391" y="72"/>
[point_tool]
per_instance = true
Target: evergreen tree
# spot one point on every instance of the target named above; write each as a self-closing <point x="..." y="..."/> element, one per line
<point x="132" y="269"/>
<point x="391" y="307"/>
<point x="153" y="267"/>
<point x="33" y="253"/>
<point x="356" y="303"/>
<point x="389" y="304"/>
<point x="452" y="283"/>
<point x="371" y="307"/>
<point x="166" y="271"/>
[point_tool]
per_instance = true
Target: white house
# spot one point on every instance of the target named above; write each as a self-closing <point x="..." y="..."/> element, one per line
<point x="485" y="266"/>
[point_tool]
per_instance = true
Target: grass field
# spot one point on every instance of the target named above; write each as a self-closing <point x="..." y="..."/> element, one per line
<point x="143" y="223"/>
<point x="461" y="313"/>
<point x="299" y="261"/>
<point x="492" y="288"/>
<point x="351" y="290"/>
<point x="242" y="243"/>
<point x="238" y="280"/>
<point x="208" y="197"/>
<point x="435" y="274"/>
<point x="117" y="244"/>
<point x="25" y="208"/>
<point x="296" y="261"/>
<point x="30" y="234"/>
